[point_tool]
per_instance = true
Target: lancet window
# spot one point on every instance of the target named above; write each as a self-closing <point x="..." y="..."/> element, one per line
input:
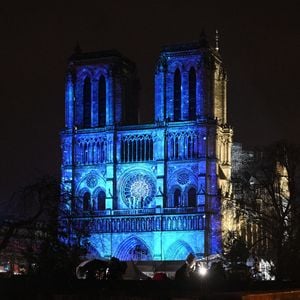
<point x="91" y="150"/>
<point x="86" y="201"/>
<point x="183" y="145"/>
<point x="177" y="198"/>
<point x="87" y="103"/>
<point x="192" y="197"/>
<point x="177" y="95"/>
<point x="101" y="200"/>
<point x="102" y="101"/>
<point x="137" y="148"/>
<point x="192" y="94"/>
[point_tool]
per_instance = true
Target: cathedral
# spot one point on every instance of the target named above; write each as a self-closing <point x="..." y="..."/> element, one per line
<point x="151" y="191"/>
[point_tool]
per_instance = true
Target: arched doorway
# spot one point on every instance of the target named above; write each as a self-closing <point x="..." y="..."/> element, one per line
<point x="134" y="249"/>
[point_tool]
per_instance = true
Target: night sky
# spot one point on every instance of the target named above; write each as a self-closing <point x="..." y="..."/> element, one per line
<point x="260" y="46"/>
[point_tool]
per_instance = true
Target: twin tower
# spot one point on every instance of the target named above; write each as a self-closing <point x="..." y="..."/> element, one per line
<point x="148" y="191"/>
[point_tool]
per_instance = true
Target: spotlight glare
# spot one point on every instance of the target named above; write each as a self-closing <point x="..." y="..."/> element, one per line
<point x="202" y="271"/>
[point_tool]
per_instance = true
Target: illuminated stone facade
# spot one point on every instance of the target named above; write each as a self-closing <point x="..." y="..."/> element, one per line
<point x="154" y="191"/>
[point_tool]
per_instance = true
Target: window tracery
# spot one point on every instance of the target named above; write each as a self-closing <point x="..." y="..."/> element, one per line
<point x="184" y="145"/>
<point x="136" y="148"/>
<point x="192" y="94"/>
<point x="87" y="102"/>
<point x="91" y="150"/>
<point x="177" y="95"/>
<point x="138" y="190"/>
<point x="102" y="101"/>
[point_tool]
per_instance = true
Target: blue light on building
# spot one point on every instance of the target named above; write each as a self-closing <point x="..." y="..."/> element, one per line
<point x="153" y="191"/>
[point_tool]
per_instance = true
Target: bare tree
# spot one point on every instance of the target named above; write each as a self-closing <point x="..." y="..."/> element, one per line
<point x="40" y="228"/>
<point x="26" y="207"/>
<point x="266" y="202"/>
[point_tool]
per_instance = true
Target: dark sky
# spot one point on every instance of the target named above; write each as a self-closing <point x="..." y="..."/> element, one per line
<point x="260" y="45"/>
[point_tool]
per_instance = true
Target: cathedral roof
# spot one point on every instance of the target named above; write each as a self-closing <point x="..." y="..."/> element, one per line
<point x="195" y="46"/>
<point x="107" y="55"/>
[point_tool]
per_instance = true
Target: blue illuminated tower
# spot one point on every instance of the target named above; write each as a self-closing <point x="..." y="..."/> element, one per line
<point x="153" y="191"/>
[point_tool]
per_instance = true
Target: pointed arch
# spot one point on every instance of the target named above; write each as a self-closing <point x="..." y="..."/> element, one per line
<point x="85" y="159"/>
<point x="179" y="250"/>
<point x="87" y="102"/>
<point x="177" y="197"/>
<point x="133" y="248"/>
<point x="190" y="147"/>
<point x="177" y="95"/>
<point x="102" y="101"/>
<point x="86" y="201"/>
<point x="192" y="94"/>
<point x="101" y="197"/>
<point x="176" y="147"/>
<point x="192" y="197"/>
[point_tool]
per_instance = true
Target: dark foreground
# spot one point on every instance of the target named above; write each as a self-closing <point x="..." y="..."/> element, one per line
<point x="23" y="288"/>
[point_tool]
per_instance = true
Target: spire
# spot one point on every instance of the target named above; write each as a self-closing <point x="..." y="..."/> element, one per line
<point x="217" y="40"/>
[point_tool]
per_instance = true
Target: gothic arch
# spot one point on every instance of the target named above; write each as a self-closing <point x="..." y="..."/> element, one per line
<point x="177" y="95"/>
<point x="191" y="196"/>
<point x="177" y="198"/>
<point x="83" y="73"/>
<point x="172" y="67"/>
<point x="174" y="192"/>
<point x="80" y="203"/>
<point x="192" y="93"/>
<point x="99" y="197"/>
<point x="101" y="72"/>
<point x="90" y="181"/>
<point x="102" y="97"/>
<point x="179" y="250"/>
<point x="92" y="252"/>
<point x="190" y="64"/>
<point x="87" y="102"/>
<point x="182" y="177"/>
<point x="133" y="248"/>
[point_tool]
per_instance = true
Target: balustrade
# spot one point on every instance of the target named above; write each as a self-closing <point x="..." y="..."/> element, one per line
<point x="119" y="224"/>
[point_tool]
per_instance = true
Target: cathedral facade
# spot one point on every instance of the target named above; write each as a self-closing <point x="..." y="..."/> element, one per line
<point x="153" y="191"/>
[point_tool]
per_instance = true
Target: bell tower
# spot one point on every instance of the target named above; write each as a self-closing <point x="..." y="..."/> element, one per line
<point x="190" y="83"/>
<point x="190" y="98"/>
<point x="100" y="90"/>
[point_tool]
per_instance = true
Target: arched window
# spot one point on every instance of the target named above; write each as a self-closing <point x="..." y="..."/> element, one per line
<point x="147" y="149"/>
<point x="192" y="197"/>
<point x="177" y="196"/>
<point x="130" y="151"/>
<point x="139" y="149"/>
<point x="101" y="200"/>
<point x="176" y="147"/>
<point x="102" y="102"/>
<point x="87" y="103"/>
<point x="192" y="94"/>
<point x="171" y="148"/>
<point x="190" y="147"/>
<point x="151" y="150"/>
<point x="86" y="201"/>
<point x="177" y="95"/>
<point x="143" y="150"/>
<point x="85" y="154"/>
<point x="134" y="152"/>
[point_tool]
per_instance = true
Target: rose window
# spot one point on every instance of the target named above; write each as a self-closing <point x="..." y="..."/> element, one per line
<point x="91" y="181"/>
<point x="183" y="178"/>
<point x="138" y="190"/>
